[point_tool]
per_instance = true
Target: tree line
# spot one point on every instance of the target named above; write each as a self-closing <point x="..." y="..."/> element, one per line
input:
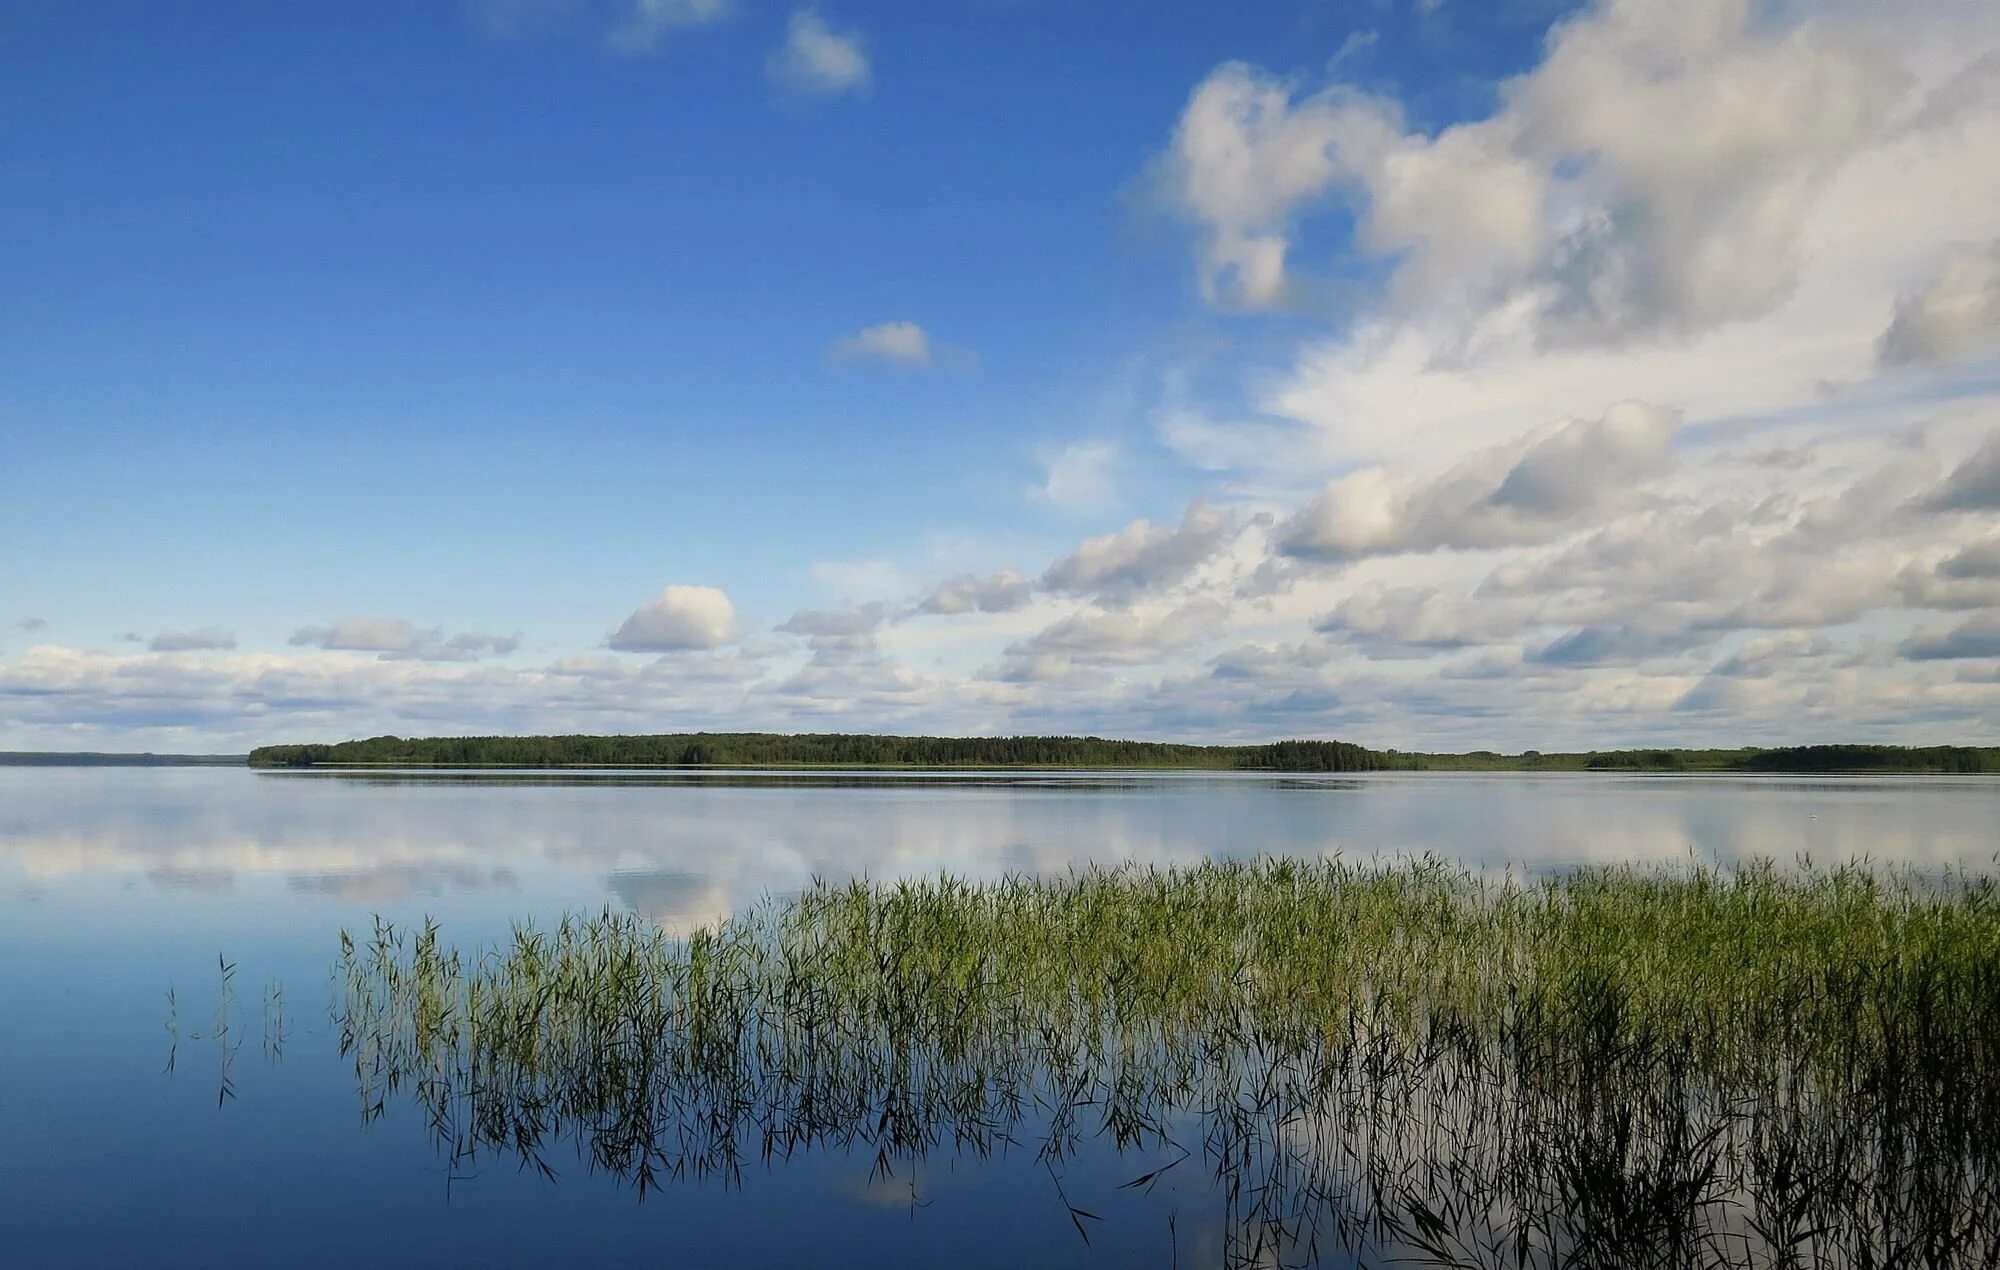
<point x="834" y="749"/>
<point x="845" y="749"/>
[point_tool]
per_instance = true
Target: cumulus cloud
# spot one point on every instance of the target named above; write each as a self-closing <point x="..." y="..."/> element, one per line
<point x="1692" y="571"/>
<point x="1739" y="266"/>
<point x="817" y="60"/>
<point x="1976" y="561"/>
<point x="1967" y="578"/>
<point x="32" y="624"/>
<point x="848" y="669"/>
<point x="896" y="343"/>
<point x="1769" y="655"/>
<point x="838" y="623"/>
<point x="1001" y="592"/>
<point x="1245" y="157"/>
<point x="1537" y="488"/>
<point x="1609" y="643"/>
<point x="1976" y="636"/>
<point x="1954" y="317"/>
<point x="1270" y="661"/>
<point x="678" y="619"/>
<point x="1417" y="621"/>
<point x="1974" y="485"/>
<point x="1794" y="536"/>
<point x="144" y="700"/>
<point x="1097" y="637"/>
<point x="207" y="639"/>
<point x="1571" y="195"/>
<point x="839" y="636"/>
<point x="1142" y="558"/>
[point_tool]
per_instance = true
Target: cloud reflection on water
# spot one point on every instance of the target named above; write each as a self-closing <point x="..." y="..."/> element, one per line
<point x="689" y="852"/>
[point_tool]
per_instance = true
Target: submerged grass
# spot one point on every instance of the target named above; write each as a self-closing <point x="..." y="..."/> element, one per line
<point x="1610" y="1067"/>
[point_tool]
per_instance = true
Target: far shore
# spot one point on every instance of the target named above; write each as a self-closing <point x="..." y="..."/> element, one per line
<point x="724" y="751"/>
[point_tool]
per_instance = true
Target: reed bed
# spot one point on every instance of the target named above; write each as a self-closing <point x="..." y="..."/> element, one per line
<point x="1613" y="1067"/>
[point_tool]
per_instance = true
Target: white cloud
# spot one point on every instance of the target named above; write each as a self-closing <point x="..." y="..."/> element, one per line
<point x="817" y="60"/>
<point x="1977" y="636"/>
<point x="1356" y="43"/>
<point x="1953" y="317"/>
<point x="648" y="20"/>
<point x="628" y="26"/>
<point x="1080" y="476"/>
<point x="390" y="637"/>
<point x="473" y="643"/>
<point x="1001" y="592"/>
<point x="1142" y="558"/>
<point x="1094" y="638"/>
<point x="898" y="343"/>
<point x="1534" y="489"/>
<point x="1979" y="560"/>
<point x="361" y="634"/>
<point x="1572" y="195"/>
<point x="1415" y="621"/>
<point x="679" y="618"/>
<point x="1244" y="159"/>
<point x="839" y="636"/>
<point x="1824" y="163"/>
<point x="1431" y="523"/>
<point x="1974" y="486"/>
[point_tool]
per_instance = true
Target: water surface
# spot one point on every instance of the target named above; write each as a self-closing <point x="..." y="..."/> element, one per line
<point x="118" y="885"/>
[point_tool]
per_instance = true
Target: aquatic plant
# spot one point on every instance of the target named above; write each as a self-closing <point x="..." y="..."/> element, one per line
<point x="1615" y="1067"/>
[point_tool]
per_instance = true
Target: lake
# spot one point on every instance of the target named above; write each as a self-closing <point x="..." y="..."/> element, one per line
<point x="140" y="1132"/>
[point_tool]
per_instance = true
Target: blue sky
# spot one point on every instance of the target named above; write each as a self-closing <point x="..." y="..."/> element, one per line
<point x="337" y="333"/>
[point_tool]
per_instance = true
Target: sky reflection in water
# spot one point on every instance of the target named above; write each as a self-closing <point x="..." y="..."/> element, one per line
<point x="116" y="884"/>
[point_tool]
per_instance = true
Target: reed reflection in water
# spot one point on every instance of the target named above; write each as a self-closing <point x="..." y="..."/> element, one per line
<point x="1614" y="1067"/>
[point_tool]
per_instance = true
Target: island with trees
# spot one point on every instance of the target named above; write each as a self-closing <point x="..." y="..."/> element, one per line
<point x="863" y="750"/>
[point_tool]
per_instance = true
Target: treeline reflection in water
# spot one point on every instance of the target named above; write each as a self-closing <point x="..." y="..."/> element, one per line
<point x="1610" y="1068"/>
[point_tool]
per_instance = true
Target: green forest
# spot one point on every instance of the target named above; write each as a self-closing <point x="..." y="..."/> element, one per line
<point x="831" y="749"/>
<point x="840" y="749"/>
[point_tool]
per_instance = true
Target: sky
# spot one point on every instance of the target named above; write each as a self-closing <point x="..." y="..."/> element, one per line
<point x="1422" y="373"/>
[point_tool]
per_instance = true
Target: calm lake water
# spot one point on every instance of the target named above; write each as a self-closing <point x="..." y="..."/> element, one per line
<point x="117" y="885"/>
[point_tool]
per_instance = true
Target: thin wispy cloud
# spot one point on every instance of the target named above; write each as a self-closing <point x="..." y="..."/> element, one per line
<point x="818" y="61"/>
<point x="648" y="21"/>
<point x="625" y="26"/>
<point x="207" y="639"/>
<point x="1080" y="476"/>
<point x="893" y="343"/>
<point x="395" y="638"/>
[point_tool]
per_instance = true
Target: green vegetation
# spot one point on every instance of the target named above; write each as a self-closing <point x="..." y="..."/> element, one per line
<point x="770" y="749"/>
<point x="1611" y="1068"/>
<point x="1793" y="758"/>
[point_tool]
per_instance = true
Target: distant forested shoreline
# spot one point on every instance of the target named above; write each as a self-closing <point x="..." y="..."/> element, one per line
<point x="59" y="758"/>
<point x="840" y="749"/>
